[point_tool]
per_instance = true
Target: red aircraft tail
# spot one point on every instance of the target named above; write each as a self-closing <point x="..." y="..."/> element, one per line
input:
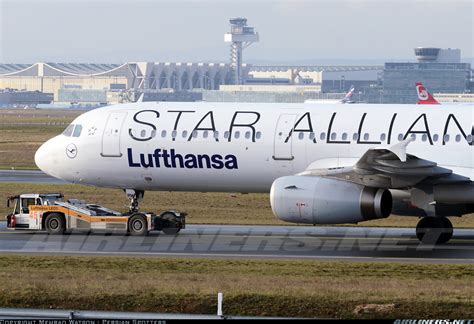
<point x="424" y="97"/>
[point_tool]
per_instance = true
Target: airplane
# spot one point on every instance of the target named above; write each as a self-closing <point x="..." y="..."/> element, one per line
<point x="424" y="97"/>
<point x="347" y="99"/>
<point x="332" y="165"/>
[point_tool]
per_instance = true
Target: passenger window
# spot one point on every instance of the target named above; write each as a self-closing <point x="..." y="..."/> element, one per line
<point x="226" y="134"/>
<point x="344" y="136"/>
<point x="469" y="138"/>
<point x="247" y="135"/>
<point x="446" y="138"/>
<point x="236" y="134"/>
<point x="153" y="133"/>
<point x="185" y="134"/>
<point x="366" y="136"/>
<point x="77" y="131"/>
<point x="424" y="137"/>
<point x="258" y="135"/>
<point x="301" y="135"/>
<point x="216" y="134"/>
<point x="400" y="137"/>
<point x="163" y="133"/>
<point x="383" y="137"/>
<point x="143" y="133"/>
<point x="205" y="134"/>
<point x="322" y="136"/>
<point x="355" y="136"/>
<point x="68" y="130"/>
<point x="333" y="136"/>
<point x="311" y="136"/>
<point x="174" y="134"/>
<point x="195" y="134"/>
<point x="435" y="137"/>
<point x="458" y="138"/>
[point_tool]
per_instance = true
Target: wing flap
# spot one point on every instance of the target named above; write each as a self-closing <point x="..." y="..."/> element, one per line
<point x="418" y="172"/>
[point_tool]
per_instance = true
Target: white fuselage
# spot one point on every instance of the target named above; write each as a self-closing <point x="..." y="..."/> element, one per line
<point x="245" y="147"/>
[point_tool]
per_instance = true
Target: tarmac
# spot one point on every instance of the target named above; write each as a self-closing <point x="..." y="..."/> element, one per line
<point x="28" y="176"/>
<point x="361" y="244"/>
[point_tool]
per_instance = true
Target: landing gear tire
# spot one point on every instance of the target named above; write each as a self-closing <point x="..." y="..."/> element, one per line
<point x="137" y="225"/>
<point x="173" y="227"/>
<point x="434" y="230"/>
<point x="55" y="224"/>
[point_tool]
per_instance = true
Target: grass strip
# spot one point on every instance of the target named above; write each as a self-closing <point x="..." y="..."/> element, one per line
<point x="250" y="287"/>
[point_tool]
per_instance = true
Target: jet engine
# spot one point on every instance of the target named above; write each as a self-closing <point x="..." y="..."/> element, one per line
<point x="319" y="200"/>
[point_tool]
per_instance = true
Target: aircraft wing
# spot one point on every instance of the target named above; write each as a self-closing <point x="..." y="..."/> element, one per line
<point x="391" y="168"/>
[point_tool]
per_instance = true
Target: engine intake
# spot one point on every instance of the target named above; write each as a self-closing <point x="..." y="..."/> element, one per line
<point x="318" y="200"/>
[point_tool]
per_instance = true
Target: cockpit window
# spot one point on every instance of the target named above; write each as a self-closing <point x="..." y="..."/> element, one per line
<point x="68" y="130"/>
<point x="77" y="131"/>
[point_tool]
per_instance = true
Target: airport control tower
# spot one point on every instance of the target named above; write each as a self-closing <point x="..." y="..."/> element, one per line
<point x="241" y="36"/>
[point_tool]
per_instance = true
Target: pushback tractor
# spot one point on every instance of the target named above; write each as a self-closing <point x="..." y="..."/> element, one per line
<point x="51" y="213"/>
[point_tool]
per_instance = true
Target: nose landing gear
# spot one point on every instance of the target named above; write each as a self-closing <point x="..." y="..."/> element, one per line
<point x="170" y="222"/>
<point x="135" y="196"/>
<point x="434" y="230"/>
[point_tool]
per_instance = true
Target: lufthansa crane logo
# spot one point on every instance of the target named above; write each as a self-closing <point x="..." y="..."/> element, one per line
<point x="71" y="151"/>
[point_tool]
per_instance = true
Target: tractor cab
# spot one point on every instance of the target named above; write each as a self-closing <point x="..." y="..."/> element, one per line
<point x="19" y="218"/>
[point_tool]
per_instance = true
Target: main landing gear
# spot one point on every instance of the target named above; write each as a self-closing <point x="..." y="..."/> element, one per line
<point x="170" y="222"/>
<point x="434" y="230"/>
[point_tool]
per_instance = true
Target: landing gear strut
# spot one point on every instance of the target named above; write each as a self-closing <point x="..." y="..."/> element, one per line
<point x="170" y="222"/>
<point x="135" y="196"/>
<point x="434" y="230"/>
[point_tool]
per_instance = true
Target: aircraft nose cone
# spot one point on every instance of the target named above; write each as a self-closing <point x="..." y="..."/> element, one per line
<point x="42" y="157"/>
<point x="48" y="159"/>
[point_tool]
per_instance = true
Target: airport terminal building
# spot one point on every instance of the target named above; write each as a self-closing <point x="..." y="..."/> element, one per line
<point x="440" y="70"/>
<point x="92" y="82"/>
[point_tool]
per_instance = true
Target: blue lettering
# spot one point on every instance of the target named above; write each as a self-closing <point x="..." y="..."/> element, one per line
<point x="190" y="162"/>
<point x="156" y="155"/>
<point x="217" y="161"/>
<point x="144" y="163"/>
<point x="130" y="160"/>
<point x="163" y="158"/>
<point x="176" y="157"/>
<point x="206" y="158"/>
<point x="231" y="162"/>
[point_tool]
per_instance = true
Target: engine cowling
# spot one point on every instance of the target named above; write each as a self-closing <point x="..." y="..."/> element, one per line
<point x="318" y="200"/>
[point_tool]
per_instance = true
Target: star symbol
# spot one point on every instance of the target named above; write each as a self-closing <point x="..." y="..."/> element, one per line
<point x="92" y="131"/>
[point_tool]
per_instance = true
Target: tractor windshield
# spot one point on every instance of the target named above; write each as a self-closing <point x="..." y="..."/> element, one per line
<point x="50" y="199"/>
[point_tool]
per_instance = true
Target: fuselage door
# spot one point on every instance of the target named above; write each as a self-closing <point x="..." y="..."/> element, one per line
<point x="283" y="143"/>
<point x="111" y="135"/>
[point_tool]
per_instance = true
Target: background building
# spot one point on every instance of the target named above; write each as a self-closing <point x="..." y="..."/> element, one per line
<point x="330" y="78"/>
<point x="440" y="70"/>
<point x="14" y="98"/>
<point x="96" y="83"/>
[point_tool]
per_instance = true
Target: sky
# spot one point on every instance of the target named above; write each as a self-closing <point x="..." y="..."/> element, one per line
<point x="291" y="31"/>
